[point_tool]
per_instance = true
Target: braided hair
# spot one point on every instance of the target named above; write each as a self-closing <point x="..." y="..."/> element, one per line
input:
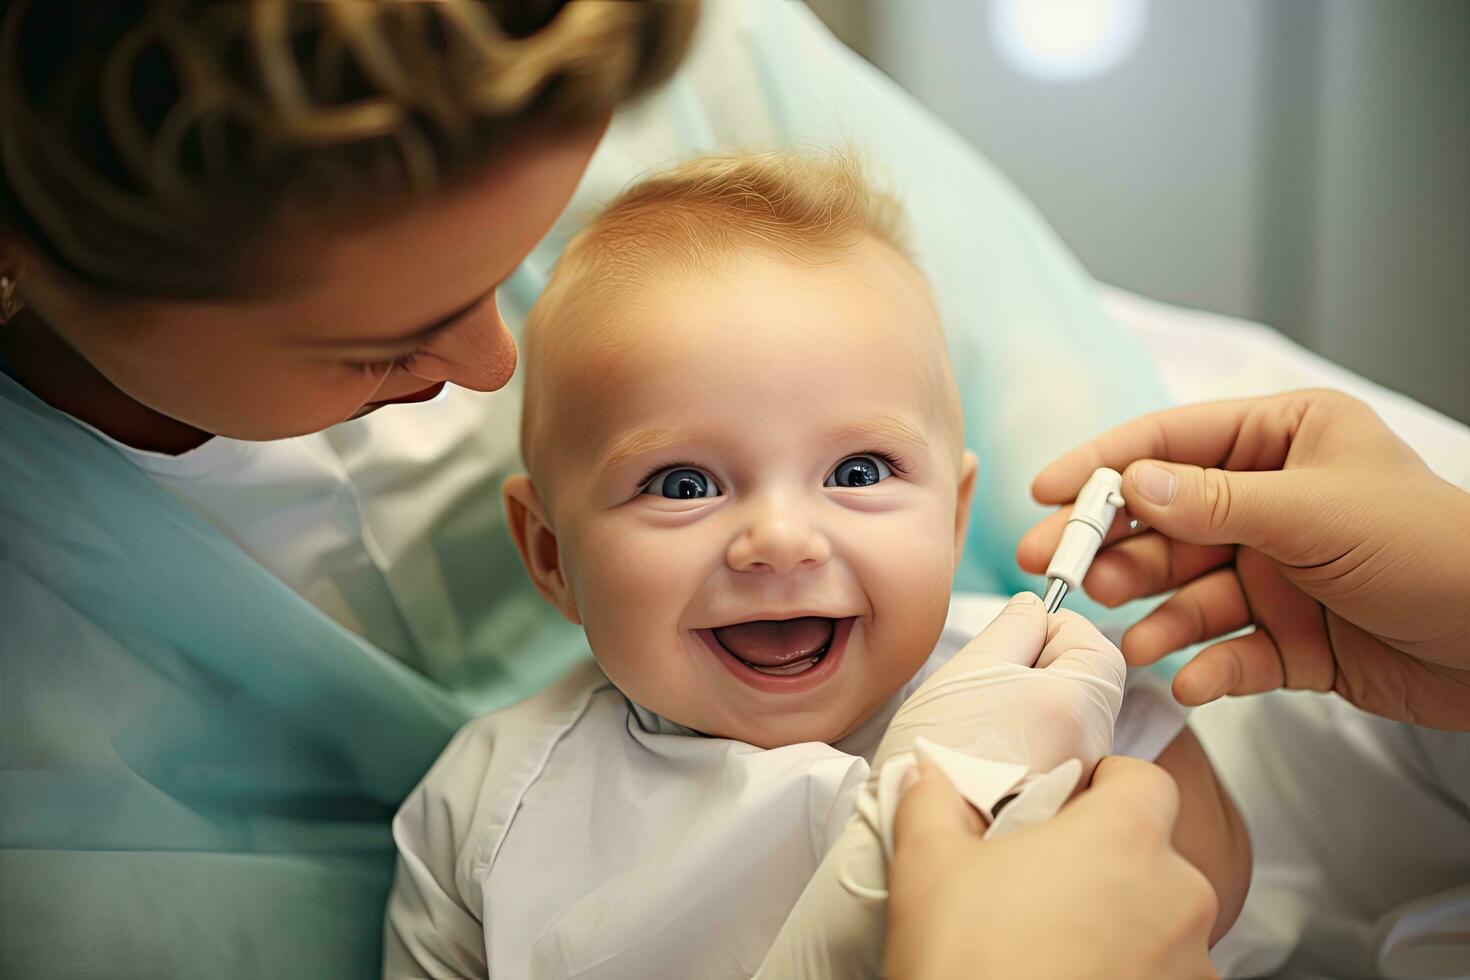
<point x="146" y="145"/>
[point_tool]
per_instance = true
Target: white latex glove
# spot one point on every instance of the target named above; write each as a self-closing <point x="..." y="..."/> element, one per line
<point x="1031" y="689"/>
<point x="1029" y="693"/>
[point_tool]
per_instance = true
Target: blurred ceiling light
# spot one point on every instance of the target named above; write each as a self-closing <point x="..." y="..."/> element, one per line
<point x="1066" y="40"/>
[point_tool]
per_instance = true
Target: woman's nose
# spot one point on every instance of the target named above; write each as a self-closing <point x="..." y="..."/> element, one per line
<point x="476" y="353"/>
<point x="778" y="539"/>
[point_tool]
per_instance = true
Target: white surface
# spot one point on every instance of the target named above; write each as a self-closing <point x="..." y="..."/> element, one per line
<point x="1360" y="837"/>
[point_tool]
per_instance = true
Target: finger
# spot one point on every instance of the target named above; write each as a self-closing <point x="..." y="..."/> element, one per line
<point x="1210" y="606"/>
<point x="1293" y="619"/>
<point x="1148" y="564"/>
<point x="1034" y="550"/>
<point x="932" y="808"/>
<point x="1270" y="511"/>
<point x="1131" y="789"/>
<point x="1037" y="545"/>
<point x="1249" y="664"/>
<point x="1203" y="435"/>
<point x="1073" y="643"/>
<point x="1015" y="636"/>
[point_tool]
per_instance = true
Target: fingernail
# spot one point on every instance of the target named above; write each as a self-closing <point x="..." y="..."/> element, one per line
<point x="1024" y="599"/>
<point x="910" y="777"/>
<point x="1156" y="484"/>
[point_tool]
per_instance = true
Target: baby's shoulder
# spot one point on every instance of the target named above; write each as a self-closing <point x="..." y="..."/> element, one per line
<point x="541" y="716"/>
<point x="473" y="786"/>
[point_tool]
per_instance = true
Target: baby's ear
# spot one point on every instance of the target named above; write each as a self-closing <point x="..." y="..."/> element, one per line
<point x="536" y="542"/>
<point x="964" y="496"/>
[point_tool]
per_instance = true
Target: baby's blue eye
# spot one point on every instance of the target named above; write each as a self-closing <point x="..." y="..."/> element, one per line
<point x="682" y="483"/>
<point x="859" y="471"/>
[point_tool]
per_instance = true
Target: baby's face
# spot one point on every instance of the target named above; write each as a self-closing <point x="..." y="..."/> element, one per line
<point x="757" y="493"/>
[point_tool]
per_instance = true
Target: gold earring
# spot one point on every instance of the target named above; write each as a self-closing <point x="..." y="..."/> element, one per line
<point x="10" y="303"/>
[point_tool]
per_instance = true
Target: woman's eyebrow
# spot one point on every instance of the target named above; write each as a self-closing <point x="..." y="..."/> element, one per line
<point x="417" y="336"/>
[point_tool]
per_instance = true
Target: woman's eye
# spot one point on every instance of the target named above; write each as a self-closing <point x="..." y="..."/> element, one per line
<point x="859" y="471"/>
<point x="376" y="369"/>
<point x="682" y="483"/>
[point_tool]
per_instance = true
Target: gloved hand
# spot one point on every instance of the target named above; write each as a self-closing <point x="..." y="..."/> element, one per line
<point x="1031" y="689"/>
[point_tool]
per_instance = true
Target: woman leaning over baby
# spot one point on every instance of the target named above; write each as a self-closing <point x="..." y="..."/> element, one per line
<point x="228" y="227"/>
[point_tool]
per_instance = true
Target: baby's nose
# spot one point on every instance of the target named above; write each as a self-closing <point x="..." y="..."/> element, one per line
<point x="778" y="540"/>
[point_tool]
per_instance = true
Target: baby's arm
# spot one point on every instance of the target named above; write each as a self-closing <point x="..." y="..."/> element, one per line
<point x="1210" y="833"/>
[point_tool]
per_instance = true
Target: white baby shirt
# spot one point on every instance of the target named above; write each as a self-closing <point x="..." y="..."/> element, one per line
<point x="579" y="835"/>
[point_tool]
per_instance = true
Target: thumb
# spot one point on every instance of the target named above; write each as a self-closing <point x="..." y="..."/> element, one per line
<point x="1261" y="510"/>
<point x="931" y="808"/>
<point x="1132" y="789"/>
<point x="1073" y="643"/>
<point x="1015" y="636"/>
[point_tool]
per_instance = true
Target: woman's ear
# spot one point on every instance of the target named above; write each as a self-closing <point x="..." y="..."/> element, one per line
<point x="536" y="542"/>
<point x="964" y="495"/>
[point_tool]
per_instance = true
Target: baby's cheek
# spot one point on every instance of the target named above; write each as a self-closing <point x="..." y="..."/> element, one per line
<point x="636" y="567"/>
<point x="916" y="558"/>
<point x="909" y="582"/>
<point x="632" y="587"/>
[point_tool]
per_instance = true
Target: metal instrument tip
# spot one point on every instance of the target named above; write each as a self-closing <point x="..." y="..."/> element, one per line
<point x="1056" y="591"/>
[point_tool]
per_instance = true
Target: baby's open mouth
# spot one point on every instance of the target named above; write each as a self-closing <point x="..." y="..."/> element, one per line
<point x="779" y="647"/>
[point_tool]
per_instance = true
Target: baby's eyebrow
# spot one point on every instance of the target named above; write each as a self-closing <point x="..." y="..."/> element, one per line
<point x="884" y="428"/>
<point x="640" y="442"/>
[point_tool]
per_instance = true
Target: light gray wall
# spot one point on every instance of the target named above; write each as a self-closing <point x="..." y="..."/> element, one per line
<point x="1303" y="163"/>
<point x="1102" y="158"/>
<point x="1392" y="296"/>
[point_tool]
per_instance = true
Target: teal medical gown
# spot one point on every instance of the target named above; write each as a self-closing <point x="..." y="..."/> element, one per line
<point x="199" y="767"/>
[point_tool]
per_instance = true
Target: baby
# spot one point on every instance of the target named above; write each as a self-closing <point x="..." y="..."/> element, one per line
<point x="748" y="483"/>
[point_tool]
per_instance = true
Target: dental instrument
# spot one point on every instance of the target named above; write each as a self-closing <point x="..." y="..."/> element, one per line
<point x="1092" y="515"/>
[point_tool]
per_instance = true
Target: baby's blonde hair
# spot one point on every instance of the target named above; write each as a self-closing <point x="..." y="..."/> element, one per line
<point x="803" y="206"/>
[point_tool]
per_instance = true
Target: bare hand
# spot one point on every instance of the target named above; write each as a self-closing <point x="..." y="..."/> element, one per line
<point x="1097" y="891"/>
<point x="1301" y="515"/>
